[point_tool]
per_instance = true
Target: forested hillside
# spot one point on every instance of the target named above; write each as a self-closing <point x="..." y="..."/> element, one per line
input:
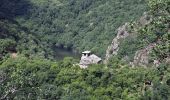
<point x="80" y="24"/>
<point x="14" y="39"/>
<point x="30" y="28"/>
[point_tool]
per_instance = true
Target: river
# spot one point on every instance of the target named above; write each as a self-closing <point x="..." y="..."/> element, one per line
<point x="61" y="53"/>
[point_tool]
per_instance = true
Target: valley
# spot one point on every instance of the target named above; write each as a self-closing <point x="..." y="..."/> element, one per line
<point x="126" y="46"/>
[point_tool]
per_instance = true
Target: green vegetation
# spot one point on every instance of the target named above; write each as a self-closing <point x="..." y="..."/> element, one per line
<point x="33" y="74"/>
<point x="155" y="32"/>
<point x="24" y="78"/>
<point x="11" y="36"/>
<point x="80" y="24"/>
<point x="43" y="79"/>
<point x="17" y="39"/>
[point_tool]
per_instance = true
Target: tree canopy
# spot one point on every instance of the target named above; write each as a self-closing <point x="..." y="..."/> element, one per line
<point x="29" y="71"/>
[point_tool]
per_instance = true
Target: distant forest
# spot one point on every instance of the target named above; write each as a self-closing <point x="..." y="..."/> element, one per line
<point x="78" y="24"/>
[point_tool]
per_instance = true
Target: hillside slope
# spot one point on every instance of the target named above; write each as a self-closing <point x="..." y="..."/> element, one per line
<point x="15" y="39"/>
<point x="36" y="78"/>
<point x="80" y="24"/>
<point x="145" y="41"/>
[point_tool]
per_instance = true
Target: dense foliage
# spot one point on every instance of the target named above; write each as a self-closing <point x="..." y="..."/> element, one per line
<point x="22" y="78"/>
<point x="80" y="24"/>
<point x="17" y="39"/>
<point x="14" y="37"/>
<point x="156" y="32"/>
<point x="31" y="75"/>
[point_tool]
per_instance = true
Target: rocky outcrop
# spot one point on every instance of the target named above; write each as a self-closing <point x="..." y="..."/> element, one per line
<point x="168" y="60"/>
<point x="122" y="33"/>
<point x="145" y="19"/>
<point x="114" y="47"/>
<point x="141" y="57"/>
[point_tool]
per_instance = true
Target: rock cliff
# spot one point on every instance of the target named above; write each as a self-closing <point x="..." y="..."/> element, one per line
<point x="141" y="56"/>
<point x="114" y="47"/>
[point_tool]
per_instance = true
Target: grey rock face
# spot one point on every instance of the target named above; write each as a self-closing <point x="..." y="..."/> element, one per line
<point x="145" y="19"/>
<point x="114" y="47"/>
<point x="122" y="33"/>
<point x="141" y="57"/>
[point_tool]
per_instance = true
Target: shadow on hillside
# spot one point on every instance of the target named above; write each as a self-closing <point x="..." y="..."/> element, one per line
<point x="13" y="8"/>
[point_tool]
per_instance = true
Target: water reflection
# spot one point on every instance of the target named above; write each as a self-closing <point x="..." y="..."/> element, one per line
<point x="61" y="53"/>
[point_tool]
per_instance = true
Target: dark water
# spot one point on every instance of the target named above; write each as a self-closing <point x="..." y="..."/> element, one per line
<point x="61" y="53"/>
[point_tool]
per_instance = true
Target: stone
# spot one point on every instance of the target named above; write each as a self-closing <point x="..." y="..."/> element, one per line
<point x="141" y="57"/>
<point x="122" y="33"/>
<point x="88" y="58"/>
